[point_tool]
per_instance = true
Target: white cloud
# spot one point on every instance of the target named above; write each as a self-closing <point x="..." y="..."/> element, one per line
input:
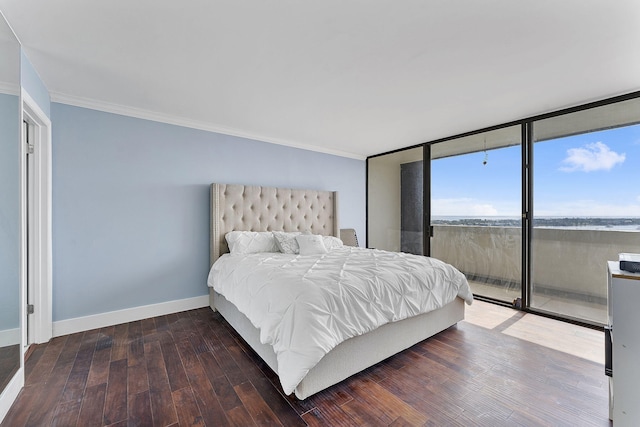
<point x="463" y="207"/>
<point x="483" y="210"/>
<point x="592" y="157"/>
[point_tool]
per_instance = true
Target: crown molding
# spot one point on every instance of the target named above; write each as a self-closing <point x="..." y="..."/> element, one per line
<point x="9" y="88"/>
<point x="140" y="113"/>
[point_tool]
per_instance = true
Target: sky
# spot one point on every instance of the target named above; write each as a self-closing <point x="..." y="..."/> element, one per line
<point x="592" y="174"/>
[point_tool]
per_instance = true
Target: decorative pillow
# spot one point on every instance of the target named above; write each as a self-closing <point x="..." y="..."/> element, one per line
<point x="250" y="242"/>
<point x="332" y="242"/>
<point x="286" y="242"/>
<point x="311" y="244"/>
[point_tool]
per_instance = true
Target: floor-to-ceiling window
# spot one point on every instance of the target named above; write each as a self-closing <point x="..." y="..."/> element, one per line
<point x="586" y="206"/>
<point x="532" y="209"/>
<point x="476" y="205"/>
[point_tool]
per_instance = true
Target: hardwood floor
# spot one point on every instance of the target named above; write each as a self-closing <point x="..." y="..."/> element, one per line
<point x="191" y="368"/>
<point x="9" y="363"/>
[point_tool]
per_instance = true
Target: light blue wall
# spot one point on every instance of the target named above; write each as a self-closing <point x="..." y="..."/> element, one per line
<point x="9" y="186"/>
<point x="32" y="83"/>
<point x="131" y="204"/>
<point x="9" y="212"/>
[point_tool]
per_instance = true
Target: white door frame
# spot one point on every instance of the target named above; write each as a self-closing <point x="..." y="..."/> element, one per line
<point x="40" y="268"/>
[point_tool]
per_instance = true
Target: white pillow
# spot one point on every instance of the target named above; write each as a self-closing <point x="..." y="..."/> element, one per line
<point x="286" y="241"/>
<point x="311" y="244"/>
<point x="250" y="242"/>
<point x="332" y="242"/>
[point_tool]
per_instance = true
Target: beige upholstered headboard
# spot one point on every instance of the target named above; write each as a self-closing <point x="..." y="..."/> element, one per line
<point x="255" y="208"/>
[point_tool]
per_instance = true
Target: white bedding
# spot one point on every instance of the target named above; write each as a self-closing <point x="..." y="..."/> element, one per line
<point x="305" y="305"/>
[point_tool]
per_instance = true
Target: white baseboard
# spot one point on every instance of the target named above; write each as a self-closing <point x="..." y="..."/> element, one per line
<point x="10" y="337"/>
<point x="80" y="324"/>
<point x="10" y="393"/>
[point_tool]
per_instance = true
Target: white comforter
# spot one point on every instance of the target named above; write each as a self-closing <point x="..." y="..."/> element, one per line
<point x="305" y="305"/>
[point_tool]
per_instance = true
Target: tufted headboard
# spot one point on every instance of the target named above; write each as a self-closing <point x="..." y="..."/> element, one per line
<point x="255" y="208"/>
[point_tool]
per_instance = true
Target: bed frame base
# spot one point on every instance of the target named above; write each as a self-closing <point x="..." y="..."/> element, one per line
<point x="340" y="362"/>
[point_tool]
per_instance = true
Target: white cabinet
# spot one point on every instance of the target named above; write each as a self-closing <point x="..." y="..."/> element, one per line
<point x="624" y="319"/>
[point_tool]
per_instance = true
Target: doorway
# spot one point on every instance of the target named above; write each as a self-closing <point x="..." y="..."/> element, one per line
<point x="36" y="202"/>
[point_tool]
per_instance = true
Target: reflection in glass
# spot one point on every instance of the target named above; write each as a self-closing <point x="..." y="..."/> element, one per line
<point x="395" y="201"/>
<point x="10" y="334"/>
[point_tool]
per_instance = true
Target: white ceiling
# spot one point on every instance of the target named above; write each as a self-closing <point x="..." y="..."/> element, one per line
<point x="349" y="77"/>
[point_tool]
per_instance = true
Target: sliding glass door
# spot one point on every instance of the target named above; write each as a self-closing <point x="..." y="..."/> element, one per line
<point x="476" y="204"/>
<point x="586" y="203"/>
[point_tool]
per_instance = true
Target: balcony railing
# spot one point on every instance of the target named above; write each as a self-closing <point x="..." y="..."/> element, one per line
<point x="567" y="264"/>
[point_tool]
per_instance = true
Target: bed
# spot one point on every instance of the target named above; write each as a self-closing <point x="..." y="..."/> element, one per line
<point x="256" y="208"/>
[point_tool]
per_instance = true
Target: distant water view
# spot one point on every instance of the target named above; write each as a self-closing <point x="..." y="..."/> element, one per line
<point x="578" y="223"/>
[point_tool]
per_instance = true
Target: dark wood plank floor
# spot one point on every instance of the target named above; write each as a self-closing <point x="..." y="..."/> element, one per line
<point x="191" y="368"/>
<point x="9" y="363"/>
